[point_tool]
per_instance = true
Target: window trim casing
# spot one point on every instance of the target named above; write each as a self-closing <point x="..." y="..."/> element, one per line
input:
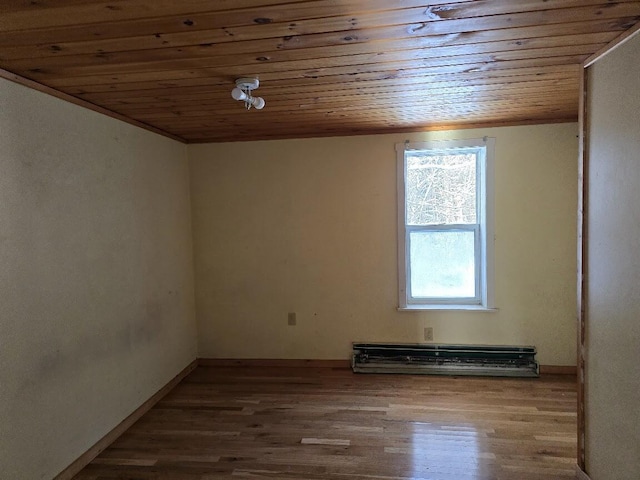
<point x="485" y="230"/>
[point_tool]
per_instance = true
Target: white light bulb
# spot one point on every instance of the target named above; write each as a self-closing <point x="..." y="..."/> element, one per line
<point x="258" y="103"/>
<point x="238" y="94"/>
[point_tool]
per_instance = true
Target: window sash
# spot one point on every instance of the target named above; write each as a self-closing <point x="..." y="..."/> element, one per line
<point x="478" y="267"/>
<point x="477" y="151"/>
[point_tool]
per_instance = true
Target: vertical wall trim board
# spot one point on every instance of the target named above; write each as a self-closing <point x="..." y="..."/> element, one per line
<point x="582" y="262"/>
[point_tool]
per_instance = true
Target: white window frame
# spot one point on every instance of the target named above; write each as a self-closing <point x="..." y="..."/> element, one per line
<point x="483" y="231"/>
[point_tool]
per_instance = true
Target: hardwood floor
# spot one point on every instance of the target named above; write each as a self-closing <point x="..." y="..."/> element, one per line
<point x="312" y="423"/>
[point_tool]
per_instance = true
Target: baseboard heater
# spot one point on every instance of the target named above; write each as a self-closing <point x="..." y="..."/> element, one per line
<point x="438" y="359"/>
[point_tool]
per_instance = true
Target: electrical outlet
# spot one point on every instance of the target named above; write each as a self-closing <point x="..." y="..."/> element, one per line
<point x="428" y="334"/>
<point x="291" y="318"/>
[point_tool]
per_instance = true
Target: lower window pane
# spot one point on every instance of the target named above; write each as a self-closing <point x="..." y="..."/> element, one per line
<point x="442" y="264"/>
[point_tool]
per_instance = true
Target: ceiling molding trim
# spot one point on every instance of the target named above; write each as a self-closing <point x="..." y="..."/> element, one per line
<point x="612" y="45"/>
<point x="83" y="103"/>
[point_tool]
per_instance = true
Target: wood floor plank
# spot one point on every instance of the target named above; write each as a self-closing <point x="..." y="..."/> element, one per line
<point x="323" y="423"/>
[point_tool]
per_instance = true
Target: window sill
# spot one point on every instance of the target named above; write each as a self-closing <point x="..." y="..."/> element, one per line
<point x="446" y="308"/>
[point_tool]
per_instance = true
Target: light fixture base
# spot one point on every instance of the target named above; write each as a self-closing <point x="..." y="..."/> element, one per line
<point x="247" y="84"/>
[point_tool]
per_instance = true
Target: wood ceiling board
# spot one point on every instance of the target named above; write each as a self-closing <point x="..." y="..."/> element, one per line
<point x="124" y="16"/>
<point x="465" y="64"/>
<point x="413" y="85"/>
<point x="532" y="102"/>
<point x="422" y="111"/>
<point x="416" y="58"/>
<point x="440" y="45"/>
<point x="19" y="15"/>
<point x="406" y="77"/>
<point x="188" y="22"/>
<point x="215" y="45"/>
<point x="430" y="27"/>
<point x="372" y="96"/>
<point x="326" y="66"/>
<point x="339" y="76"/>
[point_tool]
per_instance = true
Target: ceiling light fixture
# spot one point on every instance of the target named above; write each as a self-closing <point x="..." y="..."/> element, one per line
<point x="242" y="93"/>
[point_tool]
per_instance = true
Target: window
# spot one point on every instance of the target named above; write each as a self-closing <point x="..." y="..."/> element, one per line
<point x="445" y="239"/>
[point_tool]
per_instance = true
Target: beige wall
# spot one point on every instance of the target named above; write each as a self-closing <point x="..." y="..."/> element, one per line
<point x="309" y="226"/>
<point x="96" y="277"/>
<point x="613" y="275"/>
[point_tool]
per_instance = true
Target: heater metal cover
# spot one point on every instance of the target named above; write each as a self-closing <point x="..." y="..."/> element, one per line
<point x="440" y="359"/>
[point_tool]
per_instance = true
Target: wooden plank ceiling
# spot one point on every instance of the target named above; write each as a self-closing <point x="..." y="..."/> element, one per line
<point x="326" y="67"/>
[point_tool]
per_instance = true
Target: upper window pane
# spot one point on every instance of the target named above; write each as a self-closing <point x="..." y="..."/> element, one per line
<point x="441" y="187"/>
